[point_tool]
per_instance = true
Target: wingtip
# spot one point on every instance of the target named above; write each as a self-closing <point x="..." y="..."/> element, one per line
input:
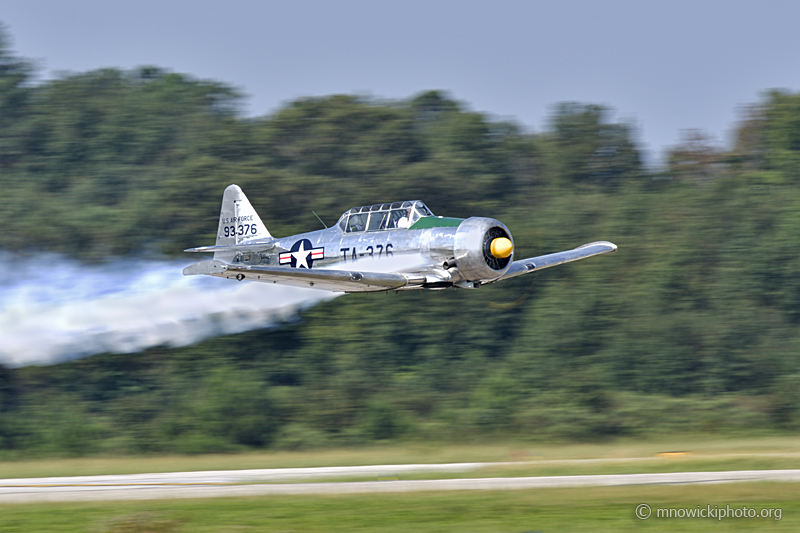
<point x="610" y="245"/>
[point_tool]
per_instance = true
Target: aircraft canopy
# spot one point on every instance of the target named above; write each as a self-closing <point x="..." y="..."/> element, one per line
<point x="395" y="215"/>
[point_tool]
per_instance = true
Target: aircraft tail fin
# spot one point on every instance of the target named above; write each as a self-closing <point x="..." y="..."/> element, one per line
<point x="238" y="222"/>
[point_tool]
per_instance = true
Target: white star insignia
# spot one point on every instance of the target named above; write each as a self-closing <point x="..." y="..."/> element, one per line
<point x="301" y="256"/>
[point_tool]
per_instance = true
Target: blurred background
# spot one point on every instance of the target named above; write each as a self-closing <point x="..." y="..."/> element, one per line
<point x="108" y="170"/>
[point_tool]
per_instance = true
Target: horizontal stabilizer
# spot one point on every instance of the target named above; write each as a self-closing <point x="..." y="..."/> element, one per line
<point x="244" y="247"/>
<point x="205" y="267"/>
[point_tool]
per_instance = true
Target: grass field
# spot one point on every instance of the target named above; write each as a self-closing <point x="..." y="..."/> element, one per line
<point x="601" y="466"/>
<point x="544" y="510"/>
<point x="703" y="453"/>
<point x="586" y="509"/>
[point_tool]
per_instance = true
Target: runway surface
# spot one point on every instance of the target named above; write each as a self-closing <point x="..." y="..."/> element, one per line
<point x="273" y="481"/>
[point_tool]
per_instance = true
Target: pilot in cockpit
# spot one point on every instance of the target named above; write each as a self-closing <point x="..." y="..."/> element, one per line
<point x="405" y="220"/>
<point x="401" y="218"/>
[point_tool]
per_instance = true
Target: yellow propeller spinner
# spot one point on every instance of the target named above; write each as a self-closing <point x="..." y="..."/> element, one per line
<point x="501" y="247"/>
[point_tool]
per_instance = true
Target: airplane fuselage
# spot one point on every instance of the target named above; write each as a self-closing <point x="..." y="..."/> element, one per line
<point x="430" y="245"/>
<point x="390" y="246"/>
<point x="433" y="243"/>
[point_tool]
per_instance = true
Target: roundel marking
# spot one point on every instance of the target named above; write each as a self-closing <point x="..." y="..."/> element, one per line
<point x="302" y="255"/>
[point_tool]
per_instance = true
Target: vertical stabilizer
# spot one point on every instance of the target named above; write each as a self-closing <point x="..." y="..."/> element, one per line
<point x="238" y="222"/>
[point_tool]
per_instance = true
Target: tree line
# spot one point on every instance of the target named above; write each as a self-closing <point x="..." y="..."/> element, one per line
<point x="692" y="326"/>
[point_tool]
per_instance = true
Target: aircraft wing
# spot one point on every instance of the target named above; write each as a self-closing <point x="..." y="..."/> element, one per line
<point x="317" y="278"/>
<point x="531" y="264"/>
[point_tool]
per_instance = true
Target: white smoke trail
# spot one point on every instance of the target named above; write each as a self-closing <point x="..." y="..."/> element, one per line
<point x="53" y="309"/>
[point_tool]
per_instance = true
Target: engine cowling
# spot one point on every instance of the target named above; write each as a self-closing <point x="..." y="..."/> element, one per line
<point x="483" y="249"/>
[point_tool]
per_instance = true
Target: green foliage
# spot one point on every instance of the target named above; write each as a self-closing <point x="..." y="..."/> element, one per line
<point x="14" y="104"/>
<point x="696" y="315"/>
<point x="586" y="148"/>
<point x="782" y="117"/>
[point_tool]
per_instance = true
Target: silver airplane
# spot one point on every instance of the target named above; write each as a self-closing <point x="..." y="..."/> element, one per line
<point x="382" y="247"/>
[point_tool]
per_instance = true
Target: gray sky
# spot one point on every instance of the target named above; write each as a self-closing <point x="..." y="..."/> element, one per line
<point x="664" y="65"/>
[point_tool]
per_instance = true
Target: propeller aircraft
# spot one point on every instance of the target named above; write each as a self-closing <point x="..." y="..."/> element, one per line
<point x="382" y="247"/>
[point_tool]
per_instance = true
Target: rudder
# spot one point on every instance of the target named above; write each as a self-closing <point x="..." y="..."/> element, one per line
<point x="238" y="221"/>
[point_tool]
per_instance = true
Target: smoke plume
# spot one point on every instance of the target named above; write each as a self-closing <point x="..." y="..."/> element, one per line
<point x="54" y="309"/>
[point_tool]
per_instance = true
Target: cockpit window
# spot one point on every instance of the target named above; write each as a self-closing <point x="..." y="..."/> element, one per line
<point x="357" y="222"/>
<point x="377" y="220"/>
<point x="396" y="215"/>
<point x="423" y="209"/>
<point x="400" y="218"/>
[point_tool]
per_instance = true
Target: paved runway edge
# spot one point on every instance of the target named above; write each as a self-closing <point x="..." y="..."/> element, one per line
<point x="32" y="493"/>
